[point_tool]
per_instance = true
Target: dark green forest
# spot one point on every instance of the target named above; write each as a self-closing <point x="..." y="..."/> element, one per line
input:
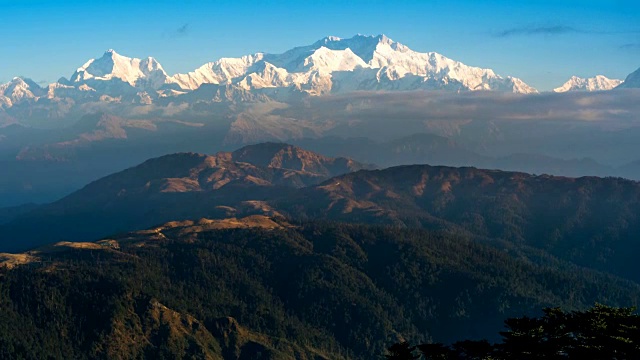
<point x="309" y="290"/>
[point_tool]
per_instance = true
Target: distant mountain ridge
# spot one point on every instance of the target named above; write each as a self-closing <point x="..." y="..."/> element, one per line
<point x="597" y="83"/>
<point x="261" y="164"/>
<point x="183" y="186"/>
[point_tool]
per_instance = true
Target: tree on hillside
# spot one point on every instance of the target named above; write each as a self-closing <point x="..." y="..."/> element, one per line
<point x="401" y="351"/>
<point x="436" y="351"/>
<point x="473" y="350"/>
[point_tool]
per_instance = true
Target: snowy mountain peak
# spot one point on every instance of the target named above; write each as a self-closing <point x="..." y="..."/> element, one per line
<point x="113" y="55"/>
<point x="110" y="53"/>
<point x="20" y="88"/>
<point x="329" y="39"/>
<point x="144" y="73"/>
<point x="597" y="83"/>
<point x="23" y="82"/>
<point x="383" y="39"/>
<point x="327" y="60"/>
<point x="362" y="45"/>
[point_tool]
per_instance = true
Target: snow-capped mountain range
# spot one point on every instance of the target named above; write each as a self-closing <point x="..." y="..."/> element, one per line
<point x="597" y="83"/>
<point x="329" y="66"/>
<point x="335" y="65"/>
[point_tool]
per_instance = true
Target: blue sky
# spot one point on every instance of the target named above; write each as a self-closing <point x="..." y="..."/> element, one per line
<point x="542" y="42"/>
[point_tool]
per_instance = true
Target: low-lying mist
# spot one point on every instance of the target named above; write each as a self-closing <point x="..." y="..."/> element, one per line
<point x="570" y="134"/>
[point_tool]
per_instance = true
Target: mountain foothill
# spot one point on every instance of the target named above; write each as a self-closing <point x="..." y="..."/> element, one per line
<point x="276" y="250"/>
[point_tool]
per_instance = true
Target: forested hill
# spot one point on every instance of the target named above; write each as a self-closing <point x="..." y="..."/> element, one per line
<point x="591" y="221"/>
<point x="263" y="288"/>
